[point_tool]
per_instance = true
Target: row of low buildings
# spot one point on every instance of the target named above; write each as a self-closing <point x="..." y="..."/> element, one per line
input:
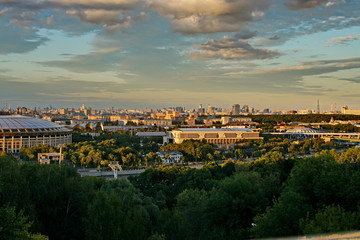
<point x="20" y="131"/>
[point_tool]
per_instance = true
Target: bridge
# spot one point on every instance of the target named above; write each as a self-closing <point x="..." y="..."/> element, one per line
<point x="354" y="137"/>
<point x="96" y="173"/>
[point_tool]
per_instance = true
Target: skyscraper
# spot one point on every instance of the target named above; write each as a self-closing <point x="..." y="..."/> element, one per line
<point x="245" y="109"/>
<point x="201" y="110"/>
<point x="235" y="110"/>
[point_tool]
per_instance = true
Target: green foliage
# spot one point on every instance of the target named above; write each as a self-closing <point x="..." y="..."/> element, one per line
<point x="341" y="128"/>
<point x="131" y="123"/>
<point x="274" y="168"/>
<point x="192" y="150"/>
<point x="15" y="226"/>
<point x="117" y="211"/>
<point x="32" y="152"/>
<point x="233" y="205"/>
<point x="282" y="219"/>
<point x="121" y="148"/>
<point x="272" y="196"/>
<point x="152" y="158"/>
<point x="329" y="219"/>
<point x="189" y="212"/>
<point x="352" y="155"/>
<point x="157" y="236"/>
<point x="313" y="183"/>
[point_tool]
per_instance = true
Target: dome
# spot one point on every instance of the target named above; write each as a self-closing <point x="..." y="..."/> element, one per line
<point x="17" y="123"/>
<point x="301" y="130"/>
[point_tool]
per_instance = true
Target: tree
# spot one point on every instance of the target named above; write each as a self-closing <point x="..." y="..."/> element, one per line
<point x="239" y="154"/>
<point x="283" y="218"/>
<point x="131" y="160"/>
<point x="329" y="219"/>
<point x="233" y="205"/>
<point x="117" y="212"/>
<point x="352" y="155"/>
<point x="15" y="226"/>
<point x="153" y="158"/>
<point x="189" y="214"/>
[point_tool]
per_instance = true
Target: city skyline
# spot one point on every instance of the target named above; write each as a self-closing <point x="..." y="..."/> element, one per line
<point x="280" y="54"/>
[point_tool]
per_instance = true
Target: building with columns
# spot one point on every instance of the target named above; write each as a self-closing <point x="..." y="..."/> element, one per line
<point x="215" y="135"/>
<point x="20" y="131"/>
<point x="346" y="110"/>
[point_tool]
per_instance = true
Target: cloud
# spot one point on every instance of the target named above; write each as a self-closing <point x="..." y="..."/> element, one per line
<point x="185" y="16"/>
<point x="303" y="4"/>
<point x="274" y="30"/>
<point x="245" y="33"/>
<point x="335" y="2"/>
<point x="111" y="14"/>
<point x="351" y="79"/>
<point x="308" y="68"/>
<point x="284" y="80"/>
<point x="61" y="89"/>
<point x="106" y="55"/>
<point x="208" y="16"/>
<point x="111" y="19"/>
<point x="343" y="40"/>
<point x="231" y="49"/>
<point x="4" y="11"/>
<point x="19" y="40"/>
<point x="88" y="63"/>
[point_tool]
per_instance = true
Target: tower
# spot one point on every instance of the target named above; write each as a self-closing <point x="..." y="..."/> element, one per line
<point x="318" y="107"/>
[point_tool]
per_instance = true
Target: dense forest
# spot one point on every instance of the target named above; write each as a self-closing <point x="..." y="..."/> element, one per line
<point x="271" y="196"/>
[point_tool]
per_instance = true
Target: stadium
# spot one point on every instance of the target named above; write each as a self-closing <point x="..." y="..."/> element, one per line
<point x="20" y="131"/>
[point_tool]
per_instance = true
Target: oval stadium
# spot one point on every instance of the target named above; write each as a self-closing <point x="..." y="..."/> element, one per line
<point x="20" y="131"/>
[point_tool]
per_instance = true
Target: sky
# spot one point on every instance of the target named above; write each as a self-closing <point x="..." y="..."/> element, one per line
<point x="277" y="54"/>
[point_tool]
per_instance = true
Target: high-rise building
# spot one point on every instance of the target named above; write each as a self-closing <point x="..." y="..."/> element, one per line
<point x="235" y="110"/>
<point x="82" y="108"/>
<point x="210" y="110"/>
<point x="201" y="110"/>
<point x="245" y="109"/>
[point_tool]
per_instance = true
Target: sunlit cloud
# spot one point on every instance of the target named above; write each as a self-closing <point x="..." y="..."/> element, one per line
<point x="303" y="4"/>
<point x="342" y="40"/>
<point x="231" y="49"/>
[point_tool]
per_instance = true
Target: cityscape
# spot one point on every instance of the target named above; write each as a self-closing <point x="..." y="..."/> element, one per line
<point x="179" y="119"/>
<point x="196" y="153"/>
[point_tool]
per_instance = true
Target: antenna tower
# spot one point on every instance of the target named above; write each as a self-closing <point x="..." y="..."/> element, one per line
<point x="318" y="107"/>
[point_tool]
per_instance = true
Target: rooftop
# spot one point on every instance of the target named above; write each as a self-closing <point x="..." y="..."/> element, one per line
<point x="16" y="123"/>
<point x="215" y="129"/>
<point x="151" y="134"/>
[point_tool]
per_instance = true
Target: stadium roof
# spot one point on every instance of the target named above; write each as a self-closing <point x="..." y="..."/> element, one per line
<point x="302" y="130"/>
<point x="17" y="123"/>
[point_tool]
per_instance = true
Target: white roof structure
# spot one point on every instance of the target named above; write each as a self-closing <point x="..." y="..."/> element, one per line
<point x="151" y="134"/>
<point x="301" y="130"/>
<point x="18" y="123"/>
